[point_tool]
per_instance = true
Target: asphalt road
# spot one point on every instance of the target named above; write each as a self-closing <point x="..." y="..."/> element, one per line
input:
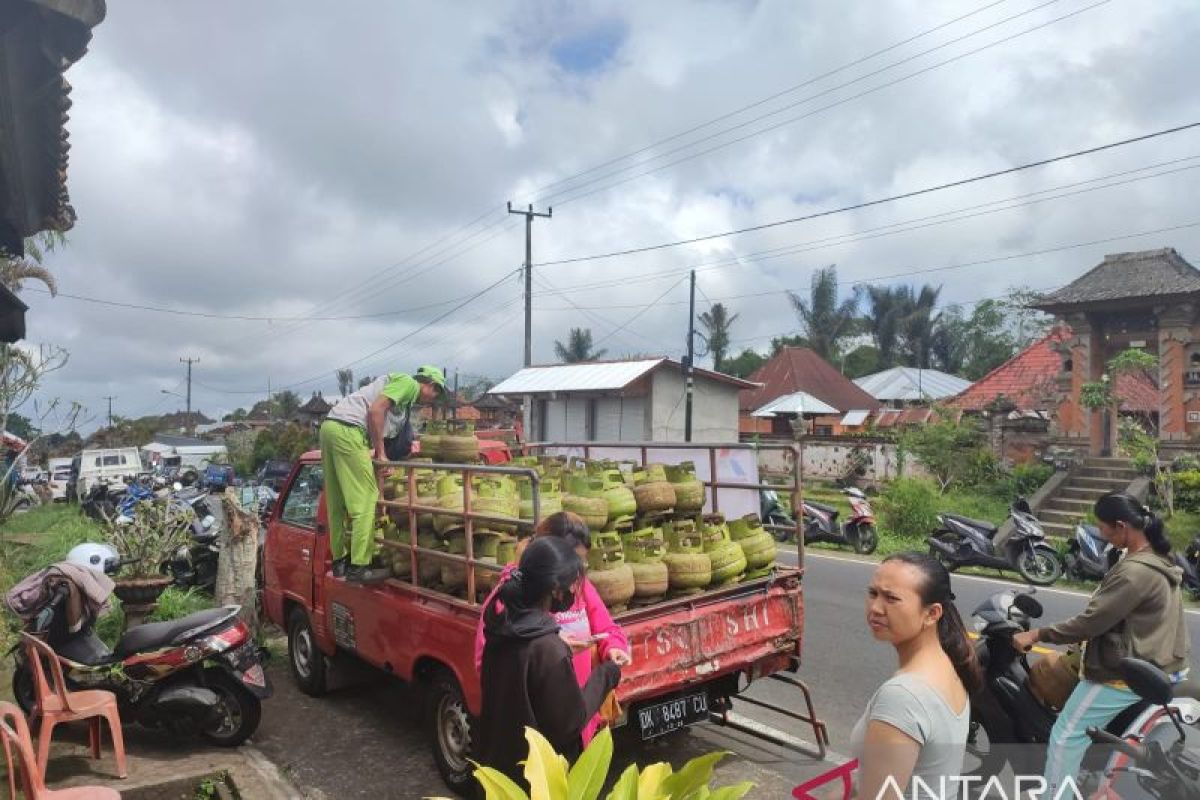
<point x="843" y="664"/>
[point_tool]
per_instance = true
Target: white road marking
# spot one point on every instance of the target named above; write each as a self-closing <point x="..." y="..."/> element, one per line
<point x="980" y="578"/>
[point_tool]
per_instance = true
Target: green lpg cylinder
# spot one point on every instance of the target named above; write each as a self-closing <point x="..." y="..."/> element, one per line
<point x="689" y="568"/>
<point x="585" y="497"/>
<point x="689" y="491"/>
<point x="644" y="552"/>
<point x="652" y="492"/>
<point x="608" y="572"/>
<point x="622" y="505"/>
<point x="728" y="560"/>
<point x="757" y="543"/>
<point x="431" y="440"/>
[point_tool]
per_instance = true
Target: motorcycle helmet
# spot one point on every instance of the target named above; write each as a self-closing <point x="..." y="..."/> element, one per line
<point x="92" y="555"/>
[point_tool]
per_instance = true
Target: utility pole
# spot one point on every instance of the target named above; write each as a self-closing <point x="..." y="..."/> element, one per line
<point x="189" y="361"/>
<point x="691" y="355"/>
<point x="109" y="398"/>
<point x="529" y="215"/>
<point x="454" y="406"/>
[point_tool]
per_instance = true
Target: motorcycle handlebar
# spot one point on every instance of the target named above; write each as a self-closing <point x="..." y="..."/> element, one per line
<point x="1135" y="752"/>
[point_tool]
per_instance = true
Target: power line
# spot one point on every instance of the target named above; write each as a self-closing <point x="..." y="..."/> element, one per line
<point x="890" y="229"/>
<point x="877" y="201"/>
<point x="809" y="98"/>
<point x="324" y="374"/>
<point x="875" y="279"/>
<point x="814" y="112"/>
<point x="730" y="114"/>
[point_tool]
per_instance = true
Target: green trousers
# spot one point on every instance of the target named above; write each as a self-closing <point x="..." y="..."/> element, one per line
<point x="351" y="490"/>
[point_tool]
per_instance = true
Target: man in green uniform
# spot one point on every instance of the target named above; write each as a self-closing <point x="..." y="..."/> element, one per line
<point x="353" y="434"/>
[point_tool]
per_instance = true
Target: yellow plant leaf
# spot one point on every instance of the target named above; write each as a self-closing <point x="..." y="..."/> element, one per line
<point x="587" y="775"/>
<point x="651" y="780"/>
<point x="545" y="770"/>
<point x="498" y="786"/>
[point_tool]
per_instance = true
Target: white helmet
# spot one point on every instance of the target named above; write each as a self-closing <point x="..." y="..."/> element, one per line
<point x="99" y="557"/>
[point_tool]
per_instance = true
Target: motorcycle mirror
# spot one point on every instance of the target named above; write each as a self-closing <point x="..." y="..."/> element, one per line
<point x="1022" y="505"/>
<point x="1147" y="681"/>
<point x="1028" y="606"/>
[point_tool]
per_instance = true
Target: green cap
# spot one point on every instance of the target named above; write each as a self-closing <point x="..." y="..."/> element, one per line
<point x="432" y="375"/>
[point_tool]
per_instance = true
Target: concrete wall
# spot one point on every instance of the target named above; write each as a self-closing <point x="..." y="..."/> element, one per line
<point x="830" y="458"/>
<point x="714" y="409"/>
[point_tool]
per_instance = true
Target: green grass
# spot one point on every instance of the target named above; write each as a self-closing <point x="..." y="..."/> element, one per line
<point x="44" y="535"/>
<point x="1181" y="527"/>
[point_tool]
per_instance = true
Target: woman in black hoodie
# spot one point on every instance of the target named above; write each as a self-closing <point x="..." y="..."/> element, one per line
<point x="527" y="676"/>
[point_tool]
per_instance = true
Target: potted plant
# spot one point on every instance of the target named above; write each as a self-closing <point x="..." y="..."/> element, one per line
<point x="158" y="529"/>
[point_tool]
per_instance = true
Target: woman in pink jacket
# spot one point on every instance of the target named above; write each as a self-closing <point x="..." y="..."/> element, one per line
<point x="586" y="627"/>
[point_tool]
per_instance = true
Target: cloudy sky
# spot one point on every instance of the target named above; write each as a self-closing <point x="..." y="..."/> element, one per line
<point x="328" y="179"/>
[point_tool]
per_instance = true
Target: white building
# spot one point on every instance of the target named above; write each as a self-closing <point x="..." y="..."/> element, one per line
<point x="639" y="400"/>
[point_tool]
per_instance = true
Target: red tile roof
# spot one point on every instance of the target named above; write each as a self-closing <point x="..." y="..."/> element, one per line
<point x="1027" y="378"/>
<point x="798" y="369"/>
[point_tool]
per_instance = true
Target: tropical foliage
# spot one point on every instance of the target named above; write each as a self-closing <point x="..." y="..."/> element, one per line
<point x="826" y="320"/>
<point x="550" y="777"/>
<point x="717" y="321"/>
<point x="578" y="347"/>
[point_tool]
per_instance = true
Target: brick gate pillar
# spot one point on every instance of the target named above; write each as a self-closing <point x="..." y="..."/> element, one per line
<point x="1174" y="336"/>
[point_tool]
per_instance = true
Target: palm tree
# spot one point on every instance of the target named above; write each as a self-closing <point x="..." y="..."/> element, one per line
<point x="718" y="322"/>
<point x="889" y="306"/>
<point x="345" y="379"/>
<point x="578" y="347"/>
<point x="826" y="322"/>
<point x="919" y="324"/>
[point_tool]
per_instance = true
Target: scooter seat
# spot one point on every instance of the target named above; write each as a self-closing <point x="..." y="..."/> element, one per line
<point x="160" y="634"/>
<point x="821" y="507"/>
<point x="973" y="523"/>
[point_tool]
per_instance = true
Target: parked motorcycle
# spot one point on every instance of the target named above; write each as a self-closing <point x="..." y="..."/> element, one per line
<point x="194" y="565"/>
<point x="100" y="502"/>
<point x="201" y="674"/>
<point x="1190" y="562"/>
<point x="1089" y="556"/>
<point x="775" y="519"/>
<point x="965" y="542"/>
<point x="821" y="523"/>
<point x="1159" y="757"/>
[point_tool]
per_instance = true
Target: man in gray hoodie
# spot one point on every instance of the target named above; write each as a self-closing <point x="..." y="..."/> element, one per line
<point x="1137" y="611"/>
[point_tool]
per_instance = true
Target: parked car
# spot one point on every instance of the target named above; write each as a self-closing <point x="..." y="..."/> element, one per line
<point x="274" y="473"/>
<point x="219" y="477"/>
<point x="112" y="465"/>
<point x="61" y="478"/>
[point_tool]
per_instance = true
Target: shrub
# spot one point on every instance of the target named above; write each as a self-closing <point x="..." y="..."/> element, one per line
<point x="908" y="507"/>
<point x="1187" y="490"/>
<point x="1023" y="480"/>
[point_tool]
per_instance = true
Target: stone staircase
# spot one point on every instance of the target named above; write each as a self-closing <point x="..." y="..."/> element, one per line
<point x="1074" y="499"/>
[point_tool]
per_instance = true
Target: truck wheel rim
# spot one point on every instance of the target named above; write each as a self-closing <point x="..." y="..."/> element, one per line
<point x="302" y="654"/>
<point x="454" y="733"/>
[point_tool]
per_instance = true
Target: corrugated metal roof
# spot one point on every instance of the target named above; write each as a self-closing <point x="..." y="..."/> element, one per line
<point x="910" y="383"/>
<point x="599" y="376"/>
<point x="795" y="403"/>
<point x="855" y="418"/>
<point x="596" y="376"/>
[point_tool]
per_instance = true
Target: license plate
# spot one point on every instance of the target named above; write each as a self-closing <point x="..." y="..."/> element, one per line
<point x="657" y="719"/>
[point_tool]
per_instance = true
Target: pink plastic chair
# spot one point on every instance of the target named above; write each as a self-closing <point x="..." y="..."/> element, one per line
<point x="18" y="753"/>
<point x="56" y="705"/>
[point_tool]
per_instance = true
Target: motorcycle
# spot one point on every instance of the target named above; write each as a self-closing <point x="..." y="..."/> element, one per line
<point x="1159" y="756"/>
<point x="1005" y="709"/>
<point x="965" y="542"/>
<point x="1089" y="556"/>
<point x="821" y="523"/>
<point x="1190" y="562"/>
<point x="195" y="564"/>
<point x="201" y="674"/>
<point x="775" y="519"/>
<point x="100" y="502"/>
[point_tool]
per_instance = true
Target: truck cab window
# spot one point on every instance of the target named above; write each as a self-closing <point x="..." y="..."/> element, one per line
<point x="300" y="505"/>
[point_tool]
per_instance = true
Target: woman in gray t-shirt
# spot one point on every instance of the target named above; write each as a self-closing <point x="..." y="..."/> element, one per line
<point x="914" y="730"/>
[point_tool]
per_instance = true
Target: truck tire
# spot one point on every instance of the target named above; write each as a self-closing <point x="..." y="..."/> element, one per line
<point x="452" y="733"/>
<point x="308" y="664"/>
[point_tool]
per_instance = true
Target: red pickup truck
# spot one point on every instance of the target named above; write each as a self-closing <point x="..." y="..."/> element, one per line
<point x="691" y="655"/>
